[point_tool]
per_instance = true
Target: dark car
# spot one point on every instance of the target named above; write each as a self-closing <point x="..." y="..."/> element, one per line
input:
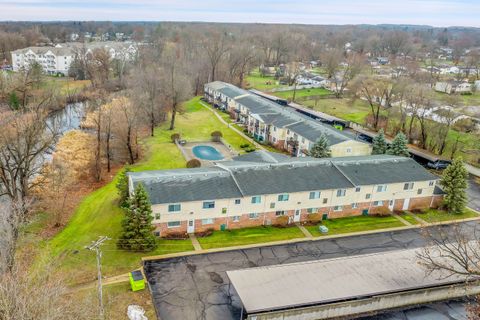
<point x="438" y="164"/>
<point x="364" y="137"/>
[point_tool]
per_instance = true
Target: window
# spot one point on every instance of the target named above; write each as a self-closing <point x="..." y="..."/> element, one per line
<point x="253" y="215"/>
<point x="382" y="188"/>
<point x="208" y="204"/>
<point x="173" y="224"/>
<point x="408" y="186"/>
<point x="354" y="205"/>
<point x="272" y="205"/>
<point x="419" y="191"/>
<point x="224" y="210"/>
<point x="279" y="213"/>
<point x="337" y="208"/>
<point x="274" y="139"/>
<point x="283" y="197"/>
<point x="431" y="183"/>
<point x="349" y="150"/>
<point x="312" y="210"/>
<point x="157" y="216"/>
<point x="325" y="200"/>
<point x="174" y="207"/>
<point x="236" y="218"/>
<point x="341" y="192"/>
<point x="357" y="189"/>
<point x="256" y="199"/>
<point x="274" y="129"/>
<point x="207" y="221"/>
<point x="314" y="195"/>
<point x="368" y="196"/>
<point x="378" y="203"/>
<point x="237" y="201"/>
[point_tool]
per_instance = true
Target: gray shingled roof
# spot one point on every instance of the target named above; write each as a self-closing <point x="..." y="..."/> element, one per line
<point x="258" y="173"/>
<point x="232" y="92"/>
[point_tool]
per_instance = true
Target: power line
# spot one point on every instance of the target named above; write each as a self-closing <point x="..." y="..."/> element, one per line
<point x="95" y="246"/>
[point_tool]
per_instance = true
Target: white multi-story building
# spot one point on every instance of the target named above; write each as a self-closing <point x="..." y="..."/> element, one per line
<point x="57" y="60"/>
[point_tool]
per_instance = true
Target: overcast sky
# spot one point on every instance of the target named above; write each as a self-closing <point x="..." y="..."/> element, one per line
<point x="425" y="12"/>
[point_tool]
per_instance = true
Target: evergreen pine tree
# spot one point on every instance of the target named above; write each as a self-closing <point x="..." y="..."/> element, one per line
<point x="399" y="146"/>
<point x="320" y="148"/>
<point x="122" y="186"/>
<point x="137" y="224"/>
<point x="454" y="183"/>
<point x="379" y="143"/>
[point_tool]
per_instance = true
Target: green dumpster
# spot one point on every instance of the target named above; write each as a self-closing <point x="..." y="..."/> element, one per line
<point x="223" y="227"/>
<point x="136" y="280"/>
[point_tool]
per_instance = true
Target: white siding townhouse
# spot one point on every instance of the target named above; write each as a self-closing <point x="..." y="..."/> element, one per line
<point x="255" y="189"/>
<point x="280" y="126"/>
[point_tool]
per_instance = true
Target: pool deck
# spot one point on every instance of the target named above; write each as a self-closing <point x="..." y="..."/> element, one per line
<point x="227" y="153"/>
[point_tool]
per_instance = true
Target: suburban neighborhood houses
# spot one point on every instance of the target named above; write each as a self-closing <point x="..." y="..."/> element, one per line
<point x="277" y="160"/>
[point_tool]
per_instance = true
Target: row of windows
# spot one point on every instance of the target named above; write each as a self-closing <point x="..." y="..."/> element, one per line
<point x="285" y="197"/>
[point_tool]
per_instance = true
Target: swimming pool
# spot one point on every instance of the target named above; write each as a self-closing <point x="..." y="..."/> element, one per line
<point x="207" y="153"/>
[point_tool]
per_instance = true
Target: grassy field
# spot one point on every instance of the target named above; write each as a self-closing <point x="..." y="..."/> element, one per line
<point x="347" y="109"/>
<point x="355" y="224"/>
<point x="98" y="214"/>
<point x="67" y="85"/>
<point x="238" y="237"/>
<point x="257" y="81"/>
<point x="302" y="93"/>
<point x="433" y="215"/>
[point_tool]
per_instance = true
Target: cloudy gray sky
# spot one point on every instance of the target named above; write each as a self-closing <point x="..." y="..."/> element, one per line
<point x="428" y="12"/>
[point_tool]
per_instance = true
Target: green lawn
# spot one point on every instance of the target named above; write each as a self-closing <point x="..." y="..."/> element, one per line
<point x="98" y="214"/>
<point x="409" y="218"/>
<point x="433" y="215"/>
<point x="257" y="81"/>
<point x="238" y="237"/>
<point x="355" y="224"/>
<point x="302" y="93"/>
<point x="347" y="109"/>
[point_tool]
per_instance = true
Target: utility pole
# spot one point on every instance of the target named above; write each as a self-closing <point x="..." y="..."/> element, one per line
<point x="95" y="246"/>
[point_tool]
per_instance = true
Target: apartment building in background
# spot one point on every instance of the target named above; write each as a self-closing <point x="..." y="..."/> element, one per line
<point x="255" y="189"/>
<point x="280" y="126"/>
<point x="57" y="60"/>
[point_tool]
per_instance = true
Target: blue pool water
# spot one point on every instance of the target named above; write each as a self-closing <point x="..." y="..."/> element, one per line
<point x="207" y="153"/>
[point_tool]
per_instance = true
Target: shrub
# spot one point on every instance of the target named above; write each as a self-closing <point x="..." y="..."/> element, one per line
<point x="314" y="218"/>
<point x="194" y="163"/>
<point x="205" y="233"/>
<point x="216" y="135"/>
<point x="381" y="211"/>
<point x="281" y="222"/>
<point x="176" y="236"/>
<point x="417" y="211"/>
<point x="244" y="145"/>
<point x="175" y="137"/>
<point x="249" y="149"/>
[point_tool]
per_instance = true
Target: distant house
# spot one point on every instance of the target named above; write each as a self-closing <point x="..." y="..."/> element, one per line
<point x="383" y="60"/>
<point x="450" y="87"/>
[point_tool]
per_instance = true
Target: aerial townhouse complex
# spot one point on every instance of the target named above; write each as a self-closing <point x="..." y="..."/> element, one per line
<point x="57" y="60"/>
<point x="255" y="189"/>
<point x="280" y="126"/>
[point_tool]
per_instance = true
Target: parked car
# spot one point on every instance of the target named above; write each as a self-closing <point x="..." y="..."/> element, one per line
<point x="438" y="164"/>
<point x="364" y="137"/>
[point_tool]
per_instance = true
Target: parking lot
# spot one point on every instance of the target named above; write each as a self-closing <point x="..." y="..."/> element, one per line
<point x="196" y="286"/>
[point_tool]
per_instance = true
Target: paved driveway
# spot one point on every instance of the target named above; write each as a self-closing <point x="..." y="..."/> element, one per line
<point x="196" y="286"/>
<point x="473" y="194"/>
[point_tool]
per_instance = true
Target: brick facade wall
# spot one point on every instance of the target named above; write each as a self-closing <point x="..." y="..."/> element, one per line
<point x="268" y="218"/>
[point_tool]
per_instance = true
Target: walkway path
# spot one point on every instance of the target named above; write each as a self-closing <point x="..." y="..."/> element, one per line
<point x="304" y="230"/>
<point x="259" y="146"/>
<point x="418" y="218"/>
<point x="405" y="222"/>
<point x="472" y="170"/>
<point x="196" y="244"/>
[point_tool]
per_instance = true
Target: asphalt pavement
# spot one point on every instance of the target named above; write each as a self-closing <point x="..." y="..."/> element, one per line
<point x="197" y="287"/>
<point x="473" y="194"/>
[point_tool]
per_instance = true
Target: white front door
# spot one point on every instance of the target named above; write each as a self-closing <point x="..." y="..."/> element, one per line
<point x="296" y="217"/>
<point x="406" y="204"/>
<point x="391" y="204"/>
<point x="191" y="226"/>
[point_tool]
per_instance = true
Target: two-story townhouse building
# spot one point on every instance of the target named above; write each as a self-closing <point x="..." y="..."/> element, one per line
<point x="256" y="188"/>
<point x="280" y="126"/>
